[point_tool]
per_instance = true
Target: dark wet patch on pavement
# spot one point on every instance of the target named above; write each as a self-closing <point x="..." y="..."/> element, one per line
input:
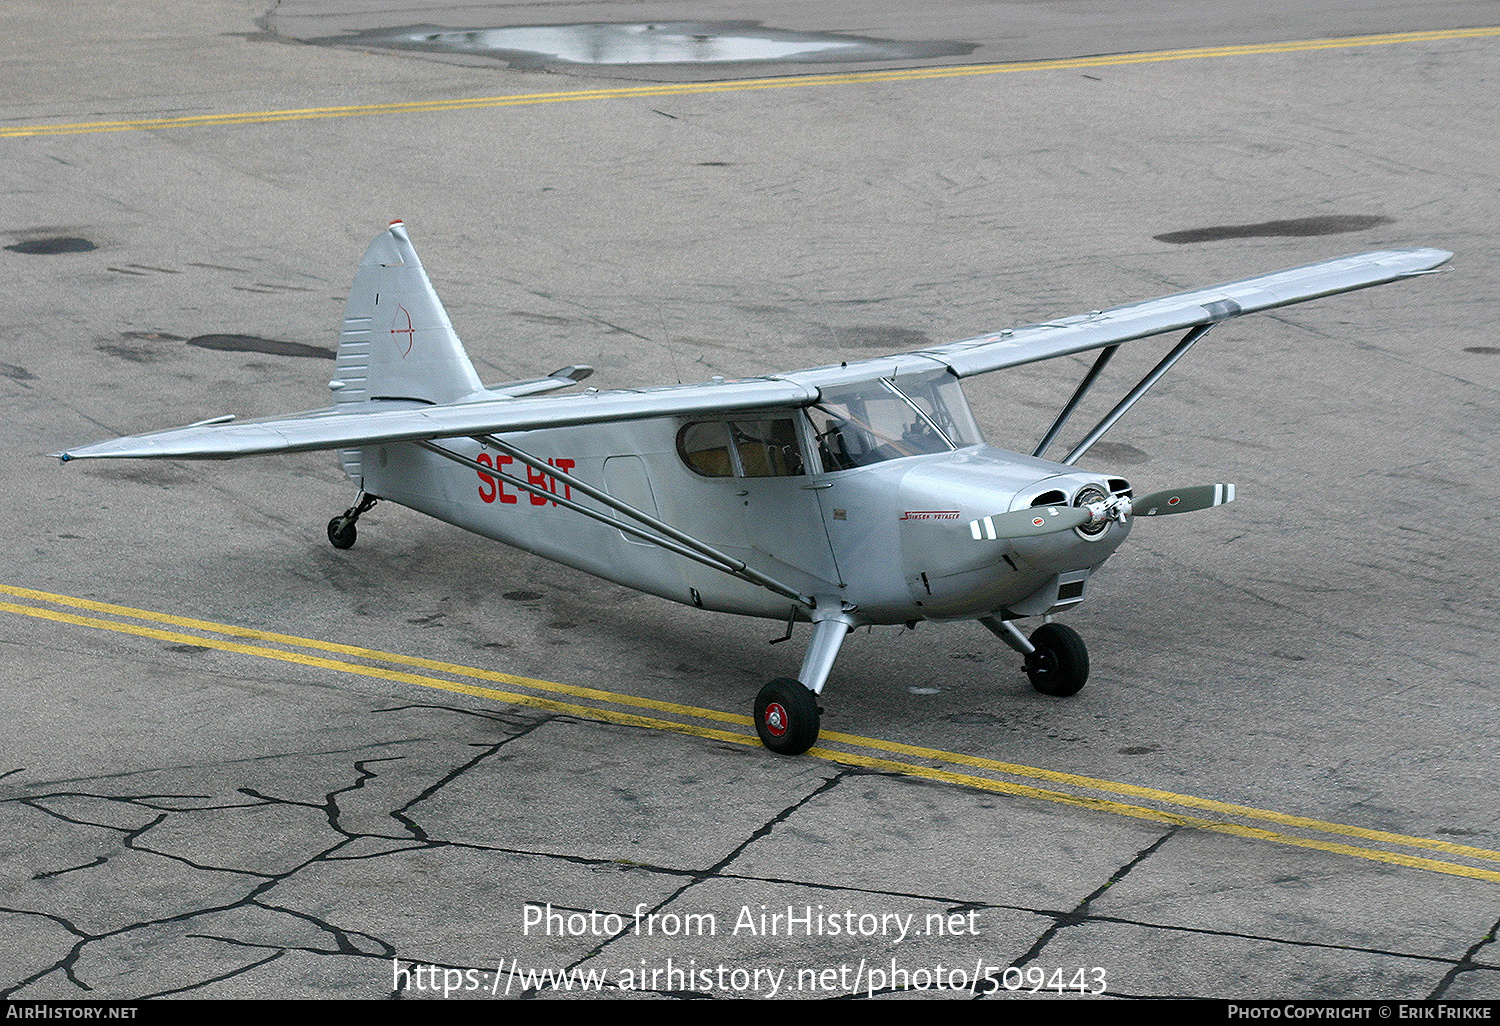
<point x="1328" y="224"/>
<point x="155" y="474"/>
<point x="878" y="336"/>
<point x="135" y="354"/>
<point x="254" y="344"/>
<point x="988" y="719"/>
<point x="51" y="246"/>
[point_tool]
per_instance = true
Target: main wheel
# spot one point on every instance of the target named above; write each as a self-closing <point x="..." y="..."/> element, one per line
<point x="1060" y="664"/>
<point x="786" y="716"/>
<point x="341" y="532"/>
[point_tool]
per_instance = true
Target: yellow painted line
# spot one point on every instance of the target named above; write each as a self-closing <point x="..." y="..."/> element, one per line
<point x="373" y="654"/>
<point x="698" y="712"/>
<point x="848" y="758"/>
<point x="586" y="712"/>
<point x="781" y="82"/>
<point x="1170" y="797"/>
<point x="1138" y="812"/>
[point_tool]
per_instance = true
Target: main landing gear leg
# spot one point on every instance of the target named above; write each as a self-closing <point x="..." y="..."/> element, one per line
<point x="1057" y="661"/>
<point x="786" y="711"/>
<point x="341" y="530"/>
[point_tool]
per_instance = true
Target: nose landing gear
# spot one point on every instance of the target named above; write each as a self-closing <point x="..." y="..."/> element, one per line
<point x="1057" y="661"/>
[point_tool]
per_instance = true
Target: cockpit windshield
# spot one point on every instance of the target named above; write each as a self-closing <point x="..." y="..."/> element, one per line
<point x="885" y="419"/>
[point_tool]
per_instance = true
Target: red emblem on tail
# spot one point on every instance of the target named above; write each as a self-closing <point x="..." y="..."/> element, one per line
<point x="408" y="331"/>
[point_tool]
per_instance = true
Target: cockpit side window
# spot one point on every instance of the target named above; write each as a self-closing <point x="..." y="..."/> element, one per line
<point x="768" y="448"/>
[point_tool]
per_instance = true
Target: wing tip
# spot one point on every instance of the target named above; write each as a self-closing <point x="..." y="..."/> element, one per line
<point x="1437" y="257"/>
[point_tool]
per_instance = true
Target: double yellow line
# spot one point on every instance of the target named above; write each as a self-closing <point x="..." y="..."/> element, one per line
<point x="848" y="749"/>
<point x="696" y="88"/>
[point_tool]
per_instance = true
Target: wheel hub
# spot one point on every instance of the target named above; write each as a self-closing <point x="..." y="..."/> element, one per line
<point x="1040" y="663"/>
<point x="776" y="719"/>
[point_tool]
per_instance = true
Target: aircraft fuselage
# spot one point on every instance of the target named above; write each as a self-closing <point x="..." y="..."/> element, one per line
<point x="896" y="539"/>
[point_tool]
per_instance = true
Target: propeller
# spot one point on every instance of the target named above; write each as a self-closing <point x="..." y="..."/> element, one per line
<point x="1181" y="500"/>
<point x="1039" y="520"/>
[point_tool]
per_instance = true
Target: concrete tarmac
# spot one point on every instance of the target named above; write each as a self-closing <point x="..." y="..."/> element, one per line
<point x="239" y="763"/>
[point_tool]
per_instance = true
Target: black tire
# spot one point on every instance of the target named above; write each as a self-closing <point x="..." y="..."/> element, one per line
<point x="786" y="716"/>
<point x="1060" y="664"/>
<point x="341" y="533"/>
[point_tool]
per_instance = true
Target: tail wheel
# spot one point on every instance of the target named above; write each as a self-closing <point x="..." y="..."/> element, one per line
<point x="1060" y="664"/>
<point x="341" y="530"/>
<point x="786" y="716"/>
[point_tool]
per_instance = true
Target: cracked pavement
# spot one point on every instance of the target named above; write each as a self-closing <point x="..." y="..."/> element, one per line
<point x="333" y="872"/>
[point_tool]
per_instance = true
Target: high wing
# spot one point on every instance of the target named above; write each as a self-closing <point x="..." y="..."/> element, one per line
<point x="400" y="420"/>
<point x="391" y="270"/>
<point x="1183" y="311"/>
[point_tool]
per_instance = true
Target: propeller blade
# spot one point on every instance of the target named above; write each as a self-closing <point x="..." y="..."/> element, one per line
<point x="1021" y="523"/>
<point x="1182" y="500"/>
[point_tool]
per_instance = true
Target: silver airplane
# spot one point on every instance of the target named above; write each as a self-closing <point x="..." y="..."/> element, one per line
<point x="845" y="495"/>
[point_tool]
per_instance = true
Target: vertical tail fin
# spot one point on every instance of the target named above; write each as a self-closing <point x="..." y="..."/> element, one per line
<point x="397" y="341"/>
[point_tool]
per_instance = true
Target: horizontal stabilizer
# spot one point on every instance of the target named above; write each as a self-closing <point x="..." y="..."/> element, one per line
<point x="560" y="378"/>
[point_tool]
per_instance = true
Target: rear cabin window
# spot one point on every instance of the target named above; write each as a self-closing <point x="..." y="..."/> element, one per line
<point x="742" y="448"/>
<point x="704" y="447"/>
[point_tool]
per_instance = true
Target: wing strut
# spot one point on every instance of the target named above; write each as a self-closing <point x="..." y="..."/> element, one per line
<point x="1135" y="393"/>
<point x="675" y="540"/>
<point x="1078" y="394"/>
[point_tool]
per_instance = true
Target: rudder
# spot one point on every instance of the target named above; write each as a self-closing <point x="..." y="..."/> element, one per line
<point x="396" y="341"/>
